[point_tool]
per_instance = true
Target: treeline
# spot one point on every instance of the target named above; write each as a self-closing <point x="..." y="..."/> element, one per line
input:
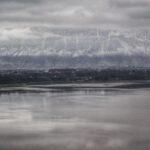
<point x="72" y="76"/>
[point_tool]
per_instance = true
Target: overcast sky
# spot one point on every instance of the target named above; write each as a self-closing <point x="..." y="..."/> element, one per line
<point x="19" y="17"/>
<point x="102" y="13"/>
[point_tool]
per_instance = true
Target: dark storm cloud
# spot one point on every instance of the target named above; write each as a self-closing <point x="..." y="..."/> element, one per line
<point x="111" y="13"/>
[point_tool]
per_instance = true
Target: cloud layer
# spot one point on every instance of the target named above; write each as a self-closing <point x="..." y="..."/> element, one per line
<point x="101" y="13"/>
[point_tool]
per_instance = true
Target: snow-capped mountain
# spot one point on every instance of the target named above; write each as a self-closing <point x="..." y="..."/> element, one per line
<point x="74" y="48"/>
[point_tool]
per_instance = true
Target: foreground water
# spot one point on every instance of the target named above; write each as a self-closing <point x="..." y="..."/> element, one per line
<point x="74" y="117"/>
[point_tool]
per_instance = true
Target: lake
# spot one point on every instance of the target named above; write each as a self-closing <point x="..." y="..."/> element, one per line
<point x="74" y="117"/>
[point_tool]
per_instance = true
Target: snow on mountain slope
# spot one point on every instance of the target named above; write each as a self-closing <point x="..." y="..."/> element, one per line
<point x="74" y="47"/>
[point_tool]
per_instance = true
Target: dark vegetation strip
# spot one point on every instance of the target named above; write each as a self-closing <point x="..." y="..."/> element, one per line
<point x="72" y="76"/>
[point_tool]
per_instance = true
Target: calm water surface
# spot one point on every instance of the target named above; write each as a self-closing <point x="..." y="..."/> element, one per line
<point x="73" y="118"/>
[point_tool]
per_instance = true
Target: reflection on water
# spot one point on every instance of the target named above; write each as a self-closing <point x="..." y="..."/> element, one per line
<point x="75" y="119"/>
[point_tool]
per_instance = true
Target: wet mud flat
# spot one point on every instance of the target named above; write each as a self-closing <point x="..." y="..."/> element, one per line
<point x="75" y="117"/>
